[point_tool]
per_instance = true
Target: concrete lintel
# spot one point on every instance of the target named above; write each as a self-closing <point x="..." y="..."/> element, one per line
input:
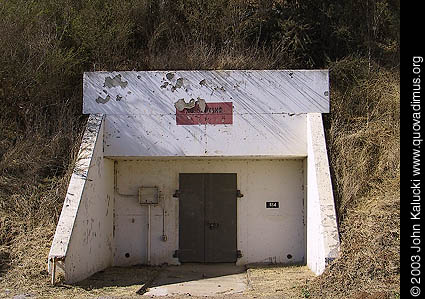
<point x="249" y="91"/>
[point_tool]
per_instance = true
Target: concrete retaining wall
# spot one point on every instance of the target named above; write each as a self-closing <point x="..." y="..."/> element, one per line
<point x="84" y="234"/>
<point x="322" y="230"/>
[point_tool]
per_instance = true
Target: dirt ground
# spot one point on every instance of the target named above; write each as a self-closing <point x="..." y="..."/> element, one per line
<point x="263" y="282"/>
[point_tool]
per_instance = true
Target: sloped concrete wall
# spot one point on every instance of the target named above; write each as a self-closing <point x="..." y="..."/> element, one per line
<point x="322" y="231"/>
<point x="84" y="234"/>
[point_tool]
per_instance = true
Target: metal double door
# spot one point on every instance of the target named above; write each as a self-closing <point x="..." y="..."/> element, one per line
<point x="207" y="217"/>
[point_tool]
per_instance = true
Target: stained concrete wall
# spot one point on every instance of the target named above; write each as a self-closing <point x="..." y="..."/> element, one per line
<point x="250" y="91"/>
<point x="322" y="231"/>
<point x="263" y="235"/>
<point x="249" y="135"/>
<point x="84" y="234"/>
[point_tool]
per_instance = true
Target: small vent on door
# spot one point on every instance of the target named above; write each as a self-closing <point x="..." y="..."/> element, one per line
<point x="148" y="195"/>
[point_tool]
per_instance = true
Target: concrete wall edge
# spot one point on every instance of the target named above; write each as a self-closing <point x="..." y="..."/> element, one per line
<point x="328" y="228"/>
<point x="66" y="222"/>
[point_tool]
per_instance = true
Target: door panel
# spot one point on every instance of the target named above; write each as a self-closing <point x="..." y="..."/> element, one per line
<point x="220" y="211"/>
<point x="207" y="213"/>
<point x="191" y="217"/>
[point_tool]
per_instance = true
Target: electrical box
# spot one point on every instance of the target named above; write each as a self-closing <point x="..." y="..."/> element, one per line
<point x="148" y="195"/>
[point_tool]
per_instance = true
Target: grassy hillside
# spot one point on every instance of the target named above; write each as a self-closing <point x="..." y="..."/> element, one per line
<point x="363" y="138"/>
<point x="45" y="46"/>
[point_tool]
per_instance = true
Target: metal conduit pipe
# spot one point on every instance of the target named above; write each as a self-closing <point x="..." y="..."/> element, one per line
<point x="53" y="270"/>
<point x="54" y="261"/>
<point x="149" y="235"/>
<point x="116" y="191"/>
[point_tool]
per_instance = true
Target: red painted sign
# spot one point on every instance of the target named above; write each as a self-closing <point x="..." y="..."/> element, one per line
<point x="214" y="114"/>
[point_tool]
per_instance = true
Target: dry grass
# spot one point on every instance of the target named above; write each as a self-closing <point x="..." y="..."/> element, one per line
<point x="364" y="148"/>
<point x="116" y="282"/>
<point x="279" y="282"/>
<point x="28" y="269"/>
<point x="34" y="174"/>
<point x="46" y="45"/>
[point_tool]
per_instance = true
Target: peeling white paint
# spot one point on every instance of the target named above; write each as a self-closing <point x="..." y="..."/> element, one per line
<point x="252" y="92"/>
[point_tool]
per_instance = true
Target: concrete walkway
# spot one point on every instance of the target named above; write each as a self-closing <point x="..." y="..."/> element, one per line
<point x="199" y="280"/>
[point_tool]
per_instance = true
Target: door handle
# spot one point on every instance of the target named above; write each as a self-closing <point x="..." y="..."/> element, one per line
<point x="212" y="225"/>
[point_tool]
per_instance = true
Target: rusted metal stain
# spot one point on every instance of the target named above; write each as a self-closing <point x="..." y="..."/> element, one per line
<point x="209" y="113"/>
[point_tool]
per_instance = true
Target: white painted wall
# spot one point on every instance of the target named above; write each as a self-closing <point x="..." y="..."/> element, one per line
<point x="84" y="233"/>
<point x="269" y="111"/>
<point x="251" y="91"/>
<point x="322" y="231"/>
<point x="281" y="135"/>
<point x="263" y="235"/>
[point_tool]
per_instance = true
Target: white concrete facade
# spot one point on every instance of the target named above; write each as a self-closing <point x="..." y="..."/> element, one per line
<point x="279" y="135"/>
<point x="274" y="143"/>
<point x="263" y="235"/>
<point x="251" y="92"/>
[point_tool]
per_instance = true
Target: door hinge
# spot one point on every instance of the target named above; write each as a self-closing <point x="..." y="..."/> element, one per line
<point x="238" y="254"/>
<point x="238" y="193"/>
<point x="176" y="254"/>
<point x="176" y="194"/>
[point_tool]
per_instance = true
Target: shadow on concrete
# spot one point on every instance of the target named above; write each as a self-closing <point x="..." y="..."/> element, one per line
<point x="119" y="277"/>
<point x="193" y="279"/>
<point x="198" y="280"/>
<point x="193" y="271"/>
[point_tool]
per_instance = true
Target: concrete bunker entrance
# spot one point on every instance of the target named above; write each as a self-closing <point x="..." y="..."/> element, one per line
<point x="263" y="126"/>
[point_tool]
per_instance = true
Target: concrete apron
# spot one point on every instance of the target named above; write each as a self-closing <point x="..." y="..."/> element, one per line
<point x="199" y="280"/>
